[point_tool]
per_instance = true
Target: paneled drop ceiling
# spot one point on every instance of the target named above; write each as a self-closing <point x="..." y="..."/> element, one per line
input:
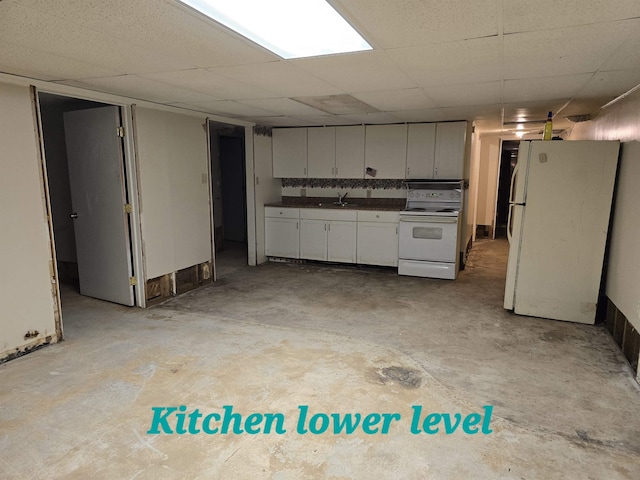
<point x="492" y="61"/>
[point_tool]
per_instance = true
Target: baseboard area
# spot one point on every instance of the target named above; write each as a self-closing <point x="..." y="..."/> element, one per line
<point x="624" y="334"/>
<point x="176" y="283"/>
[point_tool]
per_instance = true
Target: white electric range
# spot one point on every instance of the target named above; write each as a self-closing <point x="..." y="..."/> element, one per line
<point x="429" y="230"/>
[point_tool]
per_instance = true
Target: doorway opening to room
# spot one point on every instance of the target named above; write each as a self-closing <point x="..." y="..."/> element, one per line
<point x="88" y="192"/>
<point x="229" y="196"/>
<point x="508" y="161"/>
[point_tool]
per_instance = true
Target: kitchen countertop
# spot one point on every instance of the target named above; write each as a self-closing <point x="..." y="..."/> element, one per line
<point x="382" y="204"/>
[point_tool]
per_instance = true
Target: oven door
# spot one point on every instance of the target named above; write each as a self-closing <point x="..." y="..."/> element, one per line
<point x="428" y="238"/>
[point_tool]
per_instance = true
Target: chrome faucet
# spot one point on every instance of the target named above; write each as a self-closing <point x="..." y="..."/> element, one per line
<point x="341" y="199"/>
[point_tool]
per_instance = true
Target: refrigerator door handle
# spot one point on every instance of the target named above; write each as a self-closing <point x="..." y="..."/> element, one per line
<point x="513" y="180"/>
<point x="509" y="226"/>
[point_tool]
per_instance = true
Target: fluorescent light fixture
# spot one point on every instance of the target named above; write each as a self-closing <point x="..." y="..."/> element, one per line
<point x="289" y="28"/>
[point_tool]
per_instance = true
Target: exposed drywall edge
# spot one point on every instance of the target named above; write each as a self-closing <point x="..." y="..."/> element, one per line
<point x="46" y="200"/>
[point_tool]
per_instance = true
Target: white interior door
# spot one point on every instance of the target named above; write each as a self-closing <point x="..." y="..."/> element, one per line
<point x="96" y="175"/>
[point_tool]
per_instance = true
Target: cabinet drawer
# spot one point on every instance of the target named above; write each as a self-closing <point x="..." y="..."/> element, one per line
<point x="327" y="214"/>
<point x="378" y="216"/>
<point x="278" y="212"/>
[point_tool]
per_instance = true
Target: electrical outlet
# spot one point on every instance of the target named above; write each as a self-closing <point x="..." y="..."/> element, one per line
<point x="204" y="178"/>
<point x="368" y="193"/>
<point x="303" y="192"/>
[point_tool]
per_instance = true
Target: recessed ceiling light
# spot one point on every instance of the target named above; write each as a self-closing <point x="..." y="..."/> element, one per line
<point x="289" y="28"/>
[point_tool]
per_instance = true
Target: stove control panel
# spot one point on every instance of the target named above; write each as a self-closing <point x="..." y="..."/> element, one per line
<point x="434" y="195"/>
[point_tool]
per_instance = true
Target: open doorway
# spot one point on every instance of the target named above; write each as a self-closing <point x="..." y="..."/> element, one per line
<point x="508" y="161"/>
<point x="229" y="194"/>
<point x="88" y="194"/>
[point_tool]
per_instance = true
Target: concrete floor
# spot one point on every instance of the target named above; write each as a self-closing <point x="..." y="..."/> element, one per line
<point x="340" y="340"/>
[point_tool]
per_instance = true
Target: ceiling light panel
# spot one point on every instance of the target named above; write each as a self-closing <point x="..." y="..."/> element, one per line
<point x="289" y="28"/>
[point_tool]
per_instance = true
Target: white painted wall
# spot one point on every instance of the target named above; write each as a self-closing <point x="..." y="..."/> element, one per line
<point x="267" y="188"/>
<point x="488" y="179"/>
<point x="26" y="294"/>
<point x="621" y="122"/>
<point x="174" y="190"/>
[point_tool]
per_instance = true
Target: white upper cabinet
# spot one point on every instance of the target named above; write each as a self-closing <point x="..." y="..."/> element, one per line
<point x="321" y="152"/>
<point x="386" y="150"/>
<point x="421" y="150"/>
<point x="289" y="152"/>
<point x="349" y="152"/>
<point x="450" y="150"/>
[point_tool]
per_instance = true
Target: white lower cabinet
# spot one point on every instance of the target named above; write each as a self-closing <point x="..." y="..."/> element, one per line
<point x="328" y="235"/>
<point x="282" y="232"/>
<point x="378" y="238"/>
<point x="368" y="237"/>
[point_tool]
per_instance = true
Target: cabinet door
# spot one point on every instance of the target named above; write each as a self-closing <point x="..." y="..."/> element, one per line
<point x="450" y="146"/>
<point x="281" y="237"/>
<point x="289" y="152"/>
<point x="321" y="152"/>
<point x="350" y="152"/>
<point x="342" y="242"/>
<point x="313" y="239"/>
<point x="378" y="244"/>
<point x="386" y="150"/>
<point x="421" y="150"/>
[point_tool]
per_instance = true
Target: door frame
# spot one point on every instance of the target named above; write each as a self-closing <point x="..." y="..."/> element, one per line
<point x="250" y="184"/>
<point x="132" y="192"/>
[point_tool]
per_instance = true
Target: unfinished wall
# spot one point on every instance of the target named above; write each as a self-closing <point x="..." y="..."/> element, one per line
<point x="488" y="180"/>
<point x="25" y="256"/>
<point x="174" y="190"/>
<point x="621" y="122"/>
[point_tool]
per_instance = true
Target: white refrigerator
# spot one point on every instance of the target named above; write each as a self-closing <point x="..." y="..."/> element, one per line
<point x="560" y="204"/>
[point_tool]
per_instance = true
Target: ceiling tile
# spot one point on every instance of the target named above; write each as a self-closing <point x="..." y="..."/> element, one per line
<point x="532" y="111"/>
<point x="471" y="94"/>
<point x="45" y="66"/>
<point x="281" y="78"/>
<point x="419" y="115"/>
<point x="142" y="88"/>
<point x="357" y="72"/>
<point x="564" y="51"/>
<point x="231" y="108"/>
<point x="282" y="106"/>
<point x="38" y="31"/>
<point x="478" y="60"/>
<point x="627" y="55"/>
<point x="209" y="83"/>
<point x="380" y="117"/>
<point x="406" y="99"/>
<point x="603" y="83"/>
<point x="402" y="23"/>
<point x="545" y="88"/>
<point x="159" y="28"/>
<point x="322" y="120"/>
<point x="485" y="112"/>
<point x="283" y="121"/>
<point x="525" y="15"/>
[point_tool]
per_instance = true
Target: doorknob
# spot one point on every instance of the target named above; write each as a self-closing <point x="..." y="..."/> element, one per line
<point x="74" y="215"/>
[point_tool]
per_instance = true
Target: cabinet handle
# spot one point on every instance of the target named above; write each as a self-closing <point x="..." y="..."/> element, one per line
<point x="297" y="226"/>
<point x="408" y="171"/>
<point x="396" y="230"/>
<point x="336" y="171"/>
<point x="325" y="227"/>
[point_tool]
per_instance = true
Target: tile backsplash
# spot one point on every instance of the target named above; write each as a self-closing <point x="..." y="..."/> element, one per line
<point x="343" y="183"/>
